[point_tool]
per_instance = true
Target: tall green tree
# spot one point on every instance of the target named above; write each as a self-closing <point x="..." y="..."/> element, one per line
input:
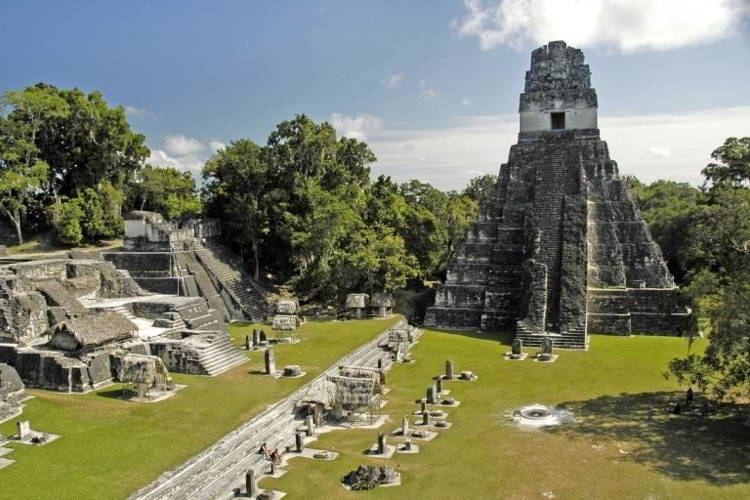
<point x="23" y="173"/>
<point x="481" y="188"/>
<point x="238" y="190"/>
<point x="731" y="165"/>
<point x="164" y="190"/>
<point x="672" y="210"/>
<point x="720" y="277"/>
<point x="90" y="143"/>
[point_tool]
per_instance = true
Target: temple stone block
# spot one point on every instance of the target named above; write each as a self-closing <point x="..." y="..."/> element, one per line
<point x="560" y="248"/>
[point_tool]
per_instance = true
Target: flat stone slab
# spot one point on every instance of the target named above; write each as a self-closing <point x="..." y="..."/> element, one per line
<point x="390" y="450"/>
<point x="376" y="424"/>
<point x="552" y="359"/>
<point x="428" y="435"/>
<point x="50" y="438"/>
<point x="4" y="451"/>
<point x="510" y="356"/>
<point x="271" y="494"/>
<point x="161" y="397"/>
<point x="276" y="475"/>
<point x="454" y="404"/>
<point x="401" y="448"/>
<point x="311" y="452"/>
<point x="300" y="375"/>
<point x="4" y="462"/>
<point x="286" y="340"/>
<point x="432" y="426"/>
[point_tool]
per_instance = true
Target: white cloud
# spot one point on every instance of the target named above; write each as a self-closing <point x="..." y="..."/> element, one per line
<point x="184" y="153"/>
<point x="659" y="152"/>
<point x="189" y="163"/>
<point x="393" y="80"/>
<point x="465" y="101"/>
<point x="428" y="92"/>
<point x="136" y="112"/>
<point x="180" y="145"/>
<point x="626" y="25"/>
<point x="449" y="155"/>
<point x="356" y="127"/>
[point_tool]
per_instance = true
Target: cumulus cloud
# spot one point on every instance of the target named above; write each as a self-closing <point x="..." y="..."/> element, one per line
<point x="184" y="153"/>
<point x="625" y="25"/>
<point x="659" y="152"/>
<point x="356" y="127"/>
<point x="393" y="80"/>
<point x="450" y="154"/>
<point x="180" y="145"/>
<point x="428" y="92"/>
<point x="136" y="112"/>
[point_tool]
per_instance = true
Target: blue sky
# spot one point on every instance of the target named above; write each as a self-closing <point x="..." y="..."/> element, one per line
<point x="432" y="85"/>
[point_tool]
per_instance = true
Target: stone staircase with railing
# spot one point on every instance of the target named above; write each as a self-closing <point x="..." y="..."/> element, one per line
<point x="223" y="268"/>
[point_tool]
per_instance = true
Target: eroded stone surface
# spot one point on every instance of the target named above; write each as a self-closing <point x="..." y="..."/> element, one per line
<point x="561" y="245"/>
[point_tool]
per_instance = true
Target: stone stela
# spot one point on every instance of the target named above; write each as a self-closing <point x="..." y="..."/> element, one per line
<point x="270" y="359"/>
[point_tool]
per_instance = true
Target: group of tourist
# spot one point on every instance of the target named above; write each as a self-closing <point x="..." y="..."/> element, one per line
<point x="677" y="409"/>
<point x="274" y="456"/>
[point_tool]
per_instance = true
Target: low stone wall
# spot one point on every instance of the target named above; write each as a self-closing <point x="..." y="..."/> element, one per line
<point x="649" y="311"/>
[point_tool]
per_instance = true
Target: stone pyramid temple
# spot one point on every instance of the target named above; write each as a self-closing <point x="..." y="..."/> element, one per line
<point x="560" y="250"/>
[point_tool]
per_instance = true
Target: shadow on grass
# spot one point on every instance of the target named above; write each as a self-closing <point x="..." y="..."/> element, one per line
<point x="684" y="447"/>
<point x="111" y="393"/>
<point x="505" y="338"/>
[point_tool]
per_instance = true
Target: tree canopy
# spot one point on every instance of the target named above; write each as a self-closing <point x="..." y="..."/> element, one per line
<point x="705" y="235"/>
<point x="303" y="208"/>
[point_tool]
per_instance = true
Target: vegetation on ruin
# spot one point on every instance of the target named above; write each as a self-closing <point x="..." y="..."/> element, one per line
<point x="623" y="445"/>
<point x="110" y="448"/>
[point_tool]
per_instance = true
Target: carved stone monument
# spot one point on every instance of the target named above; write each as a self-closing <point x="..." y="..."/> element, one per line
<point x="381" y="443"/>
<point x="560" y="247"/>
<point x="432" y="394"/>
<point x="270" y="362"/>
<point x="251" y="488"/>
<point x="309" y="425"/>
<point x="449" y="370"/>
<point x="299" y="442"/>
<point x="24" y="430"/>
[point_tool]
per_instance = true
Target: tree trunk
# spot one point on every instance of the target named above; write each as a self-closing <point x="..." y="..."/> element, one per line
<point x="256" y="259"/>
<point x="15" y="218"/>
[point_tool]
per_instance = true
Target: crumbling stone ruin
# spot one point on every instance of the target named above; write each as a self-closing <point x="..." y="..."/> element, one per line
<point x="188" y="261"/>
<point x="70" y="324"/>
<point x="381" y="305"/>
<point x="367" y="477"/>
<point x="285" y="317"/>
<point x="356" y="305"/>
<point x="11" y="392"/>
<point x="560" y="249"/>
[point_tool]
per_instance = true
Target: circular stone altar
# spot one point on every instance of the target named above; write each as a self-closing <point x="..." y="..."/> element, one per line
<point x="541" y="416"/>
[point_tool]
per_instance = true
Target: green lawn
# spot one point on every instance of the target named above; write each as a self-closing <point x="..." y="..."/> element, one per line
<point x="109" y="448"/>
<point x="623" y="445"/>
